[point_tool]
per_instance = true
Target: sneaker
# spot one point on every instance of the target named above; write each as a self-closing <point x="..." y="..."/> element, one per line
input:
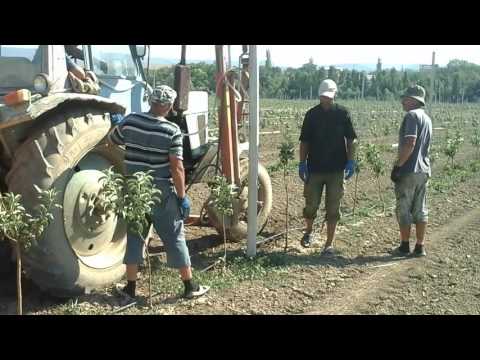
<point x="307" y="240"/>
<point x="402" y="250"/>
<point x="419" y="251"/>
<point x="329" y="251"/>
<point x="201" y="290"/>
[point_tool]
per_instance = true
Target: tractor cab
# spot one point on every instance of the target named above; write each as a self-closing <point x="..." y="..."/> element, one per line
<point x="114" y="72"/>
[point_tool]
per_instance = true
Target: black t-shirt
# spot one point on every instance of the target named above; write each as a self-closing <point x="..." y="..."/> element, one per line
<point x="325" y="132"/>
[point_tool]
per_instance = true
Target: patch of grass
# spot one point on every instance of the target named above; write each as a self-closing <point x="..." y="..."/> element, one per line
<point x="291" y="167"/>
<point x="239" y="268"/>
<point x="452" y="175"/>
<point x="71" y="308"/>
<point x="474" y="166"/>
<point x="386" y="148"/>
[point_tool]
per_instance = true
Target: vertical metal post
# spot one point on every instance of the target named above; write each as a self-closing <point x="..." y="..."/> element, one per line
<point x="234" y="130"/>
<point x="224" y="119"/>
<point x="243" y="68"/>
<point x="253" y="153"/>
<point x="432" y="80"/>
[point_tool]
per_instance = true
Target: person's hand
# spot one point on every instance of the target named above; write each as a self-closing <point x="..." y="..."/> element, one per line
<point x="303" y="171"/>
<point x="184" y="205"/>
<point x="395" y="175"/>
<point x="116" y="119"/>
<point x="350" y="169"/>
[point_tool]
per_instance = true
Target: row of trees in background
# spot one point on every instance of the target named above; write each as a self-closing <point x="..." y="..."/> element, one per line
<point x="458" y="82"/>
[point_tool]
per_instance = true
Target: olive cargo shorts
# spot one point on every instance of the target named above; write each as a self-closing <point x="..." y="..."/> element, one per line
<point x="313" y="190"/>
<point x="169" y="226"/>
<point x="411" y="195"/>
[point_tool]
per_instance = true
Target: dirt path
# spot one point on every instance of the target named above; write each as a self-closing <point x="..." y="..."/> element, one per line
<point x="391" y="284"/>
<point x="362" y="279"/>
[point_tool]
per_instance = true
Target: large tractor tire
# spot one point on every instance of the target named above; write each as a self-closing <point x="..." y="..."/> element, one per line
<point x="7" y="265"/>
<point x="236" y="225"/>
<point x="79" y="251"/>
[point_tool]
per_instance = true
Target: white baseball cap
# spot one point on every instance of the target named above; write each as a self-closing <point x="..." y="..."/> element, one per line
<point x="327" y="88"/>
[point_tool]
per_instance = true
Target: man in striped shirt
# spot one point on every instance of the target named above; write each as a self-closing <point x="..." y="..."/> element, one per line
<point x="154" y="143"/>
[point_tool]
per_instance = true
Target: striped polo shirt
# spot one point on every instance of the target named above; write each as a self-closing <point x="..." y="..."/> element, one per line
<point x="148" y="143"/>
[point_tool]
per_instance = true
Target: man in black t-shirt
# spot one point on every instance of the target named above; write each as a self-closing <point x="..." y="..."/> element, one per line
<point x="326" y="159"/>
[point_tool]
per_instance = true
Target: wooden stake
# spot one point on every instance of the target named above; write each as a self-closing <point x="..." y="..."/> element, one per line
<point x="286" y="209"/>
<point x="19" y="278"/>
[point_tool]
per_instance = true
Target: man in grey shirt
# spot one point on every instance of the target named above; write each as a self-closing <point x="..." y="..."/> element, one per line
<point x="412" y="170"/>
<point x="154" y="143"/>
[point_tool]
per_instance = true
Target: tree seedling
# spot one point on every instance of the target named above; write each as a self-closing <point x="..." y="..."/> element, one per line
<point x="132" y="198"/>
<point x="222" y="197"/>
<point x="377" y="165"/>
<point x="452" y="145"/>
<point x="359" y="166"/>
<point x="475" y="141"/>
<point x="23" y="228"/>
<point x="286" y="155"/>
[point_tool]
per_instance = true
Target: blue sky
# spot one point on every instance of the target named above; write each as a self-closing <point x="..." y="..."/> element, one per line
<point x="296" y="55"/>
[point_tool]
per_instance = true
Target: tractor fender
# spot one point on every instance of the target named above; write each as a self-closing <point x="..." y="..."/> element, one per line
<point x="51" y="102"/>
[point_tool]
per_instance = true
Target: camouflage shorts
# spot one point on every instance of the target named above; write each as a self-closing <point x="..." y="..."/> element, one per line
<point x="313" y="195"/>
<point x="411" y="195"/>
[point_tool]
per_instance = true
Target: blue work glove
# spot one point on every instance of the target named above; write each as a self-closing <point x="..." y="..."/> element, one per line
<point x="116" y="119"/>
<point x="303" y="171"/>
<point x="350" y="169"/>
<point x="184" y="206"/>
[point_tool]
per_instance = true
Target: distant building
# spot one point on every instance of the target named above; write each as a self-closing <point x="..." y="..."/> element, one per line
<point x="379" y="65"/>
<point x="427" y="68"/>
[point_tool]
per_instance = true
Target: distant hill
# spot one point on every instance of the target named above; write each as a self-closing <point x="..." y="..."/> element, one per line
<point x="156" y="62"/>
<point x="367" y="67"/>
<point x="373" y="67"/>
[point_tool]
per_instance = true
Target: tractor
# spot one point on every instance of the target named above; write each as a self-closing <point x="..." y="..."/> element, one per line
<point x="58" y="103"/>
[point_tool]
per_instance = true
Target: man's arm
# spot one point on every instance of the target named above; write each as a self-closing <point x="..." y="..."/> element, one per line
<point x="178" y="174"/>
<point x="115" y="136"/>
<point x="176" y="163"/>
<point x="350" y="137"/>
<point x="304" y="149"/>
<point x="351" y="148"/>
<point x="409" y="139"/>
<point x="406" y="149"/>
<point x="305" y="134"/>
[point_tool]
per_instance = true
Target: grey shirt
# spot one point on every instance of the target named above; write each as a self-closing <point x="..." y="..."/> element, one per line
<point x="418" y="124"/>
<point x="149" y="141"/>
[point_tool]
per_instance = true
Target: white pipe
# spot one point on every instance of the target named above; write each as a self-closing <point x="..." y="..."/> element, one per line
<point x="253" y="153"/>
